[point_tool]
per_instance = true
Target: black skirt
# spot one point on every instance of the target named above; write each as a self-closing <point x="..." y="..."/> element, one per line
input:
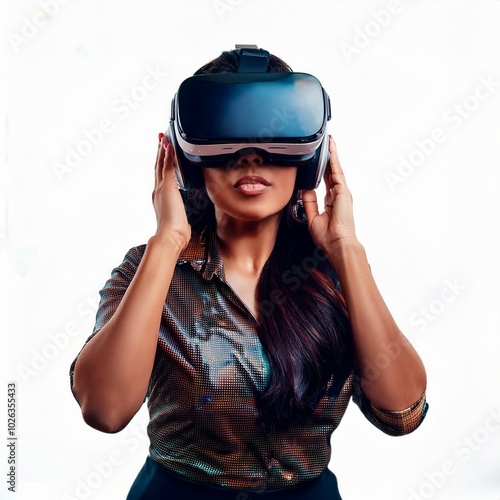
<point x="154" y="482"/>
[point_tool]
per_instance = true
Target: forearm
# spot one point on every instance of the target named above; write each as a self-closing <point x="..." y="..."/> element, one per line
<point x="112" y="372"/>
<point x="392" y="373"/>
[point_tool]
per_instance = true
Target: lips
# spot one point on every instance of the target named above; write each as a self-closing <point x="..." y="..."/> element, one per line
<point x="252" y="185"/>
<point x="252" y="179"/>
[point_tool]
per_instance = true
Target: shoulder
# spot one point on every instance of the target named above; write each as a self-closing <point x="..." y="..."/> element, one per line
<point x="196" y="251"/>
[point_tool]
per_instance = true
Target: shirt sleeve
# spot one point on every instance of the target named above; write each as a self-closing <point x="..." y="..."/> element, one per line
<point x="112" y="293"/>
<point x="394" y="423"/>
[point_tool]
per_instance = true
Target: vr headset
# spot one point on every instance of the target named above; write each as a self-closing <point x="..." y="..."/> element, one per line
<point x="215" y="118"/>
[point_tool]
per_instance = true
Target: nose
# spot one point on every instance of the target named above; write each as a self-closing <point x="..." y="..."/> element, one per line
<point x="249" y="158"/>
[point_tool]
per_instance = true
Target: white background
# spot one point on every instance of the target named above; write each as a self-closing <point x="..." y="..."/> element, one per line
<point x="395" y="70"/>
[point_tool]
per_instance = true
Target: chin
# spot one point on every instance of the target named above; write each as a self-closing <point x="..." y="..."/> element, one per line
<point x="255" y="216"/>
<point x="250" y="215"/>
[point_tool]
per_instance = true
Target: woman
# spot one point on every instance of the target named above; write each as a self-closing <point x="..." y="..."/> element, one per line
<point x="248" y="321"/>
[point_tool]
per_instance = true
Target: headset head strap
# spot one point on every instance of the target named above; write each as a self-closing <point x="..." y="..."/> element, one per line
<point x="251" y="59"/>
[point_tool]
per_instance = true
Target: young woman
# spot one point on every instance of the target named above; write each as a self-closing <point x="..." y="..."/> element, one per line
<point x="248" y="322"/>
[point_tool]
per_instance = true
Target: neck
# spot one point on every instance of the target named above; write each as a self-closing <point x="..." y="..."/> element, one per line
<point x="246" y="246"/>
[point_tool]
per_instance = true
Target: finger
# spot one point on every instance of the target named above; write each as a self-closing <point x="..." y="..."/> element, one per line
<point x="310" y="203"/>
<point x="168" y="170"/>
<point x="337" y="172"/>
<point x="158" y="151"/>
<point x="168" y="161"/>
<point x="328" y="200"/>
<point x="159" y="161"/>
<point x="327" y="175"/>
<point x="340" y="191"/>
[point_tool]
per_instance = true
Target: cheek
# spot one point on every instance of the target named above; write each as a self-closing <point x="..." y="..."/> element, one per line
<point x="288" y="182"/>
<point x="214" y="184"/>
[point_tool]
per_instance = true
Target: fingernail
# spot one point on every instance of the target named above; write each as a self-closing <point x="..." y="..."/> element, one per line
<point x="160" y="136"/>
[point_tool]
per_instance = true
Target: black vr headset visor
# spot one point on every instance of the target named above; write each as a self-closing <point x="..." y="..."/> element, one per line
<point x="281" y="116"/>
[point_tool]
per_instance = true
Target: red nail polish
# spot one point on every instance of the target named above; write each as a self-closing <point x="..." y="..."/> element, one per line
<point x="160" y="136"/>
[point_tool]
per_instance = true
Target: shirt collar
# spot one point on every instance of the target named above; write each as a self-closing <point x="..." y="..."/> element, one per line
<point x="203" y="254"/>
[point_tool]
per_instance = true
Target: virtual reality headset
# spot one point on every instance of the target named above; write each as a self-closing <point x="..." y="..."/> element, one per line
<point x="215" y="118"/>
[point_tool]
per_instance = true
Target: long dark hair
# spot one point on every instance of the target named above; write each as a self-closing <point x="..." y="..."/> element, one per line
<point x="303" y="322"/>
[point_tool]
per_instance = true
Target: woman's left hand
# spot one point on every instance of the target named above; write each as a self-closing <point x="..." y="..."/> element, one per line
<point x="336" y="224"/>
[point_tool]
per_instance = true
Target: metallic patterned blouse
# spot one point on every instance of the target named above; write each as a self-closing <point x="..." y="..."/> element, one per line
<point x="204" y="421"/>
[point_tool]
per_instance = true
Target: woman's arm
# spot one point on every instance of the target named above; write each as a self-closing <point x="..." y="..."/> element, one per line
<point x="392" y="374"/>
<point x="111" y="374"/>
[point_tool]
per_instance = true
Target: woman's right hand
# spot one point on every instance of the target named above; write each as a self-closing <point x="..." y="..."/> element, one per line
<point x="171" y="219"/>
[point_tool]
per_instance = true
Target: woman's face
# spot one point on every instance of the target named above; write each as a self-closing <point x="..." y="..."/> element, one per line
<point x="250" y="190"/>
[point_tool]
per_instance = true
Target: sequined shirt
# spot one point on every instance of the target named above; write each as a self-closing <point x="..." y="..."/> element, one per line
<point x="204" y="421"/>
